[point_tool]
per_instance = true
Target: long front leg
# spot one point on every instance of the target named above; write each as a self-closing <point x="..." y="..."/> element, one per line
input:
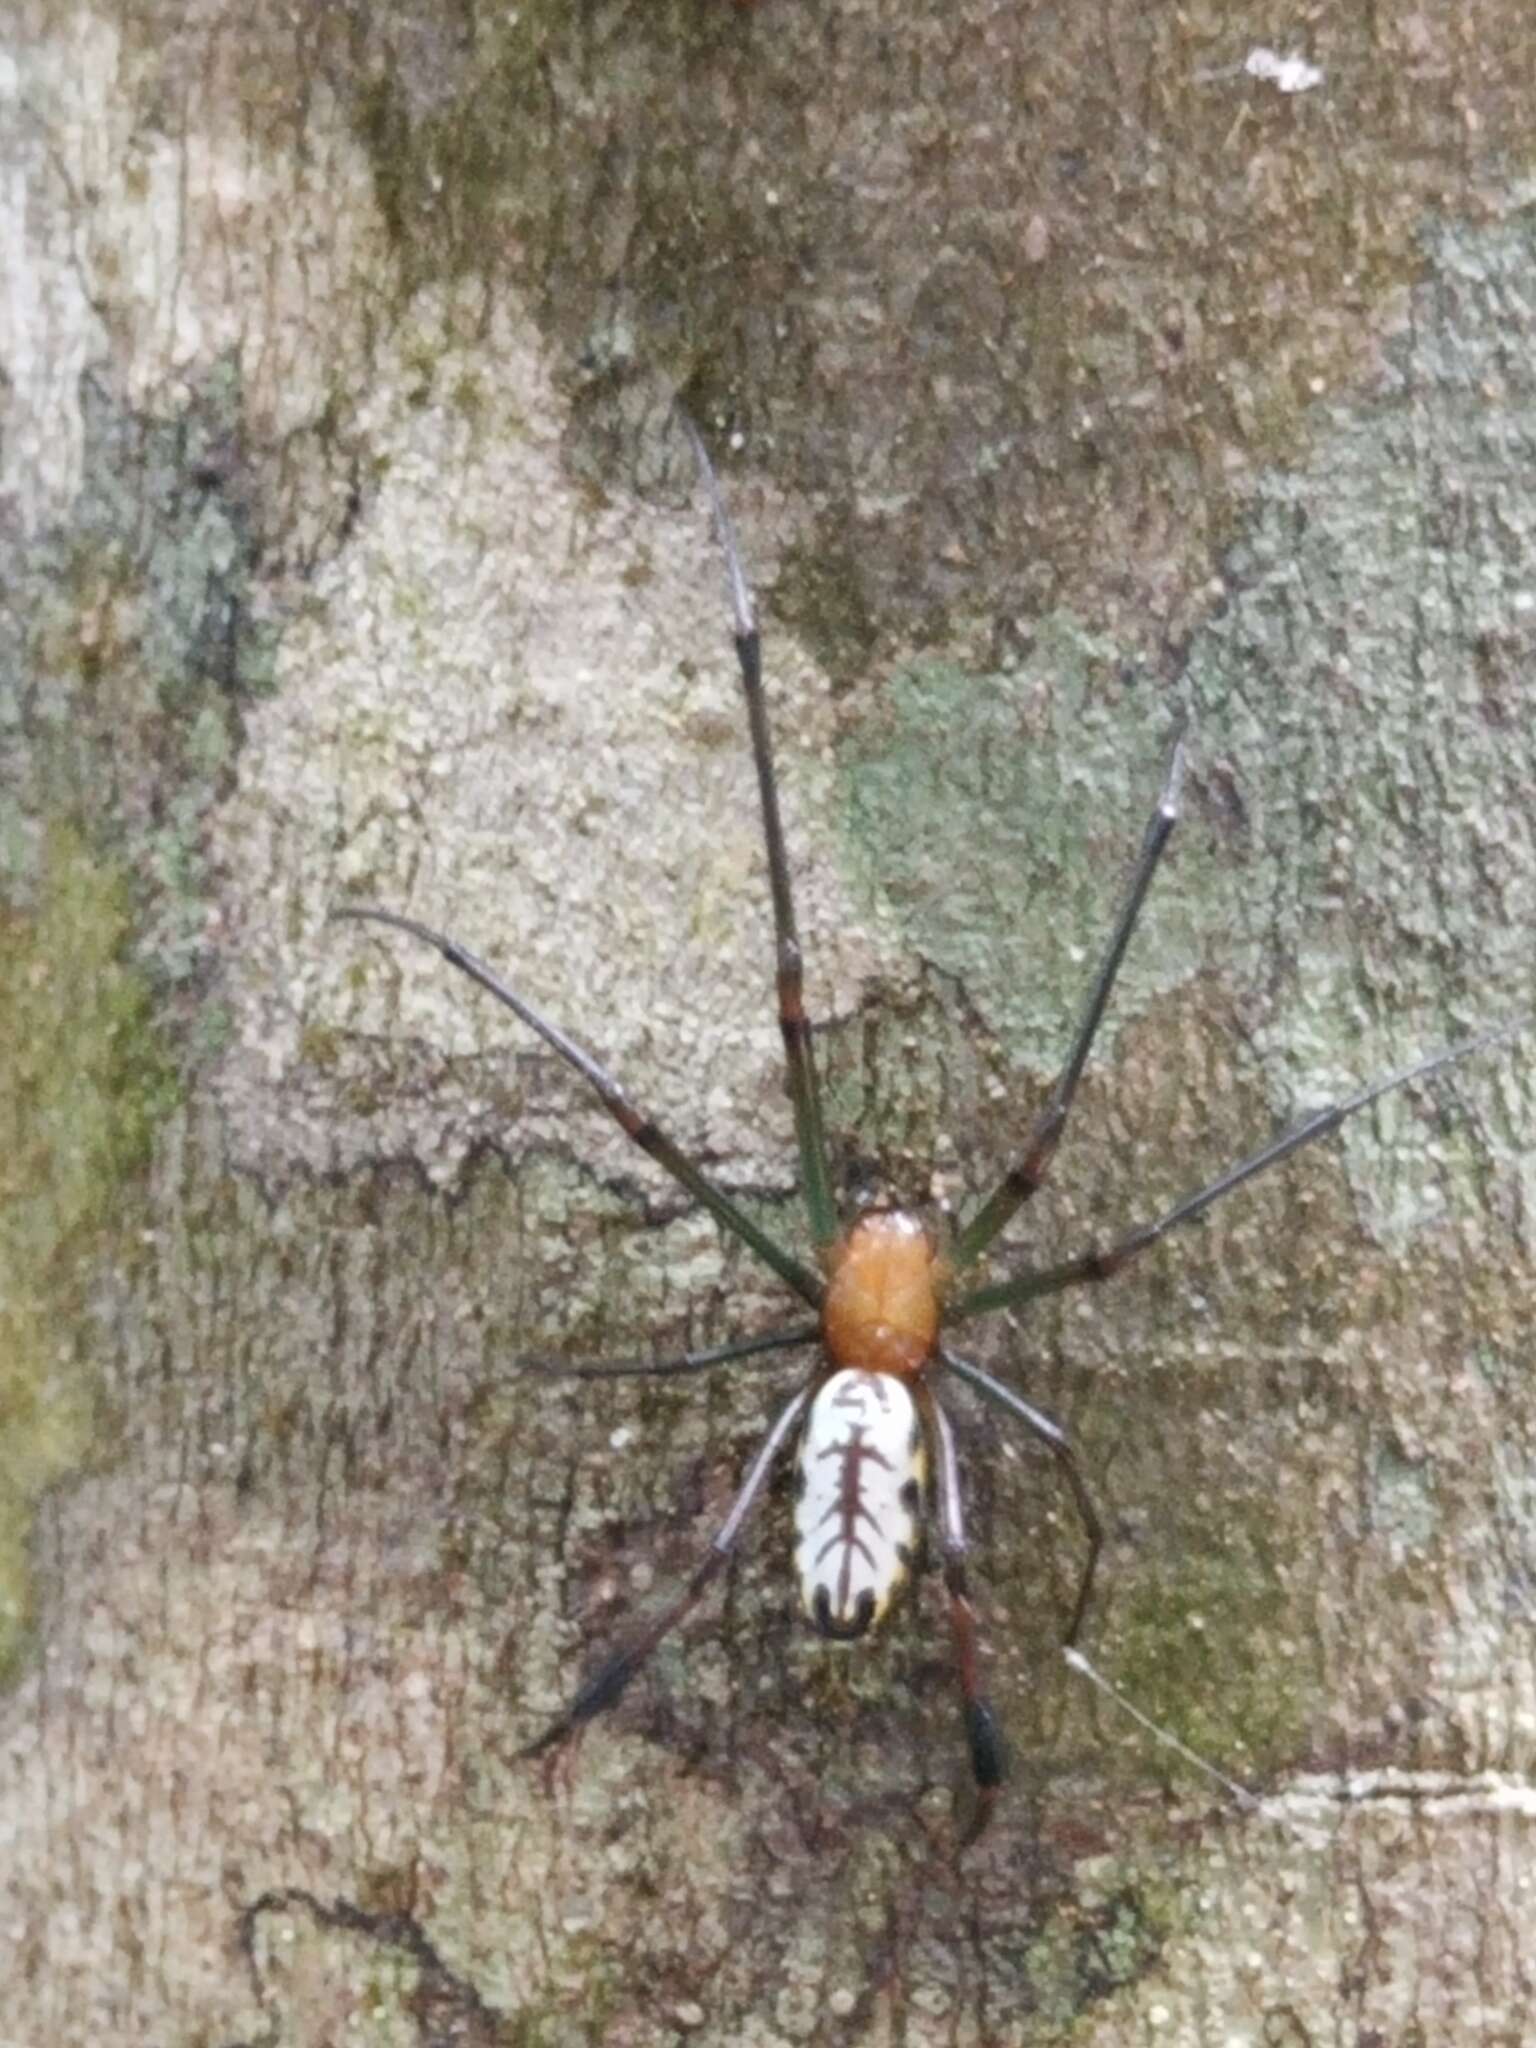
<point x="1044" y="1134"/>
<point x="793" y="1022"/>
<point x="983" y="1735"/>
<point x="614" y="1673"/>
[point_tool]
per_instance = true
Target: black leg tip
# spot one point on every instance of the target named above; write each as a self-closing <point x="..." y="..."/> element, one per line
<point x="989" y="1752"/>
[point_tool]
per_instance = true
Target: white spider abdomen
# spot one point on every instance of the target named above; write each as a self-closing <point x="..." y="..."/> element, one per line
<point x="860" y="1473"/>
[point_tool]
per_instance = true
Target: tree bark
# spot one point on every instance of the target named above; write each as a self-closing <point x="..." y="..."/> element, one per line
<point x="1068" y="378"/>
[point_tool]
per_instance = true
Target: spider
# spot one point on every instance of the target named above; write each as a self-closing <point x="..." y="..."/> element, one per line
<point x="875" y="1449"/>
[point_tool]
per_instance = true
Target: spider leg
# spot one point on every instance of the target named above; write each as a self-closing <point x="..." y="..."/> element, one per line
<point x="614" y="1673"/>
<point x="687" y="1361"/>
<point x="1044" y="1134"/>
<point x="793" y="1023"/>
<point x="632" y="1121"/>
<point x="983" y="1735"/>
<point x="1057" y="1443"/>
<point x="1100" y="1265"/>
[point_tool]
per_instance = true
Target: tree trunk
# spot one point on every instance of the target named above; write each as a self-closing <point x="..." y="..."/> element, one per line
<point x="1070" y="373"/>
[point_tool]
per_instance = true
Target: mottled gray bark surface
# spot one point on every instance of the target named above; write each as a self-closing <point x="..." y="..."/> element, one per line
<point x="1065" y="374"/>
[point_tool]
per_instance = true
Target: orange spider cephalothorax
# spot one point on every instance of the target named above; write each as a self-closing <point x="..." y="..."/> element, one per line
<point x="881" y="1312"/>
